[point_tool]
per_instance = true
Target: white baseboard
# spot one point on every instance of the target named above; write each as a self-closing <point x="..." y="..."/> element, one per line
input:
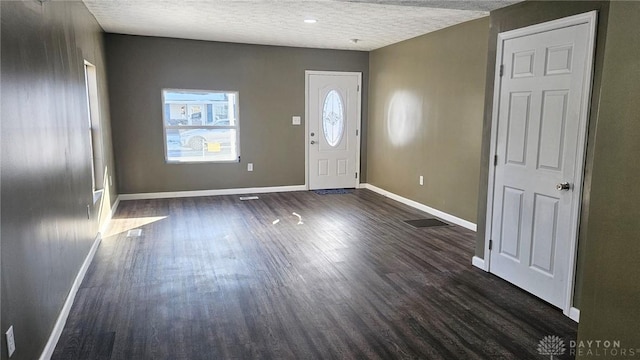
<point x="574" y="314"/>
<point x="196" y="193"/>
<point x="66" y="308"/>
<point x="414" y="204"/>
<point x="479" y="263"/>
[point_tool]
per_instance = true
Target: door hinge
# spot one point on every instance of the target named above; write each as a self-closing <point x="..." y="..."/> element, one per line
<point x="490" y="244"/>
<point x="357" y="132"/>
<point x="501" y="70"/>
<point x="358" y="88"/>
<point x="356" y="175"/>
<point x="495" y="160"/>
<point x="239" y="159"/>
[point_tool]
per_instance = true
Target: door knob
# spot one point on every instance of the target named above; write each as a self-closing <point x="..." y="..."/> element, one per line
<point x="563" y="186"/>
<point x="312" y="142"/>
<point x="312" y="134"/>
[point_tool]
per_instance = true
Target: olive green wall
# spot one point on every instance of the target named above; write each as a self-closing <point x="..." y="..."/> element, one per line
<point x="426" y="97"/>
<point x="271" y="85"/>
<point x="610" y="305"/>
<point x="522" y="15"/>
<point x="46" y="162"/>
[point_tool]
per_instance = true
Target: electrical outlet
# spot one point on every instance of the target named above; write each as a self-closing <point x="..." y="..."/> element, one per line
<point x="421" y="180"/>
<point x="295" y="120"/>
<point x="11" y="341"/>
<point x="250" y="167"/>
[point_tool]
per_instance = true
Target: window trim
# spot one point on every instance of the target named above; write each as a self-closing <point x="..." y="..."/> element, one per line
<point x="187" y="127"/>
<point x="95" y="129"/>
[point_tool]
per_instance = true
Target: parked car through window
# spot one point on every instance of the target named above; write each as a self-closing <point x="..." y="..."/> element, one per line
<point x="200" y="126"/>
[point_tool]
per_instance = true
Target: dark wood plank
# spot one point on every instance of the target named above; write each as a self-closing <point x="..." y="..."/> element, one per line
<point x="220" y="278"/>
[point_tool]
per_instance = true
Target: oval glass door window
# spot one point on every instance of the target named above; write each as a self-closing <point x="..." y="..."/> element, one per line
<point x="333" y="118"/>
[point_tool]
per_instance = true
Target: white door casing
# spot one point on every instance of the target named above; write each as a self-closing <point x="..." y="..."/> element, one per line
<point x="540" y="113"/>
<point x="332" y="131"/>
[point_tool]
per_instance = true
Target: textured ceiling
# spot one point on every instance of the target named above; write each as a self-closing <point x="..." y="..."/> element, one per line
<point x="375" y="23"/>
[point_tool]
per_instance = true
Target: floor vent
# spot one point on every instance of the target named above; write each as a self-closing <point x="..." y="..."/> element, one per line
<point x="421" y="223"/>
<point x="134" y="233"/>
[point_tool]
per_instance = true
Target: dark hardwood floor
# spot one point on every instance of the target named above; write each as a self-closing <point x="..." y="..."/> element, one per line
<point x="221" y="278"/>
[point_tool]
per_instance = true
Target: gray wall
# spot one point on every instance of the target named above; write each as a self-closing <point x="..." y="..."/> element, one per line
<point x="270" y="81"/>
<point x="46" y="164"/>
<point x="611" y="291"/>
<point x="518" y="16"/>
<point x="425" y="117"/>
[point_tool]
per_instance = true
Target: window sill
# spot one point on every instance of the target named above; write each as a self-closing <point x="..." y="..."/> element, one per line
<point x="97" y="194"/>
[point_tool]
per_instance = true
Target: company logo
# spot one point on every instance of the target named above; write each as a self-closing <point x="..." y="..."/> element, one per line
<point x="551" y="345"/>
<point x="554" y="346"/>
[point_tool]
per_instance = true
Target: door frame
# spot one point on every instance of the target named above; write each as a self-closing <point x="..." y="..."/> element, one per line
<point x="307" y="74"/>
<point x="589" y="18"/>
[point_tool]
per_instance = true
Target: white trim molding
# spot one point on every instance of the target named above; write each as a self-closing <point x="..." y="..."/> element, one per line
<point x="479" y="263"/>
<point x="414" y="204"/>
<point x="196" y="193"/>
<point x="68" y="303"/>
<point x="66" y="308"/>
<point x="574" y="314"/>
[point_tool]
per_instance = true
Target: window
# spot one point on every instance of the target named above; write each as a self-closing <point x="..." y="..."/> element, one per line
<point x="332" y="118"/>
<point x="95" y="139"/>
<point x="201" y="126"/>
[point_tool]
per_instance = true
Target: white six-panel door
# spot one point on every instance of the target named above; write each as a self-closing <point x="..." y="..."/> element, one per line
<point x="333" y="101"/>
<point x="541" y="125"/>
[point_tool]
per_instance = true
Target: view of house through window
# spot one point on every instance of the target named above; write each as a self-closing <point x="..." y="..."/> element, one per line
<point x="200" y="126"/>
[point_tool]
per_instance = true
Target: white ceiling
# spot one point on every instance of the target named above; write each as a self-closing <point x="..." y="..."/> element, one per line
<point x="375" y="23"/>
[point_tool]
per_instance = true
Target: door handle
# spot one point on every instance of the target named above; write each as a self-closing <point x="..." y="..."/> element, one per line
<point x="563" y="186"/>
<point x="312" y="142"/>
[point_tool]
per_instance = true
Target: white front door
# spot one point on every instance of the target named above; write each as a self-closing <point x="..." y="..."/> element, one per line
<point x="333" y="103"/>
<point x="539" y="148"/>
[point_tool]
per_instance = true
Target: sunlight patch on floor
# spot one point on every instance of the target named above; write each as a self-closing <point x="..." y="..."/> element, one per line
<point x="119" y="226"/>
